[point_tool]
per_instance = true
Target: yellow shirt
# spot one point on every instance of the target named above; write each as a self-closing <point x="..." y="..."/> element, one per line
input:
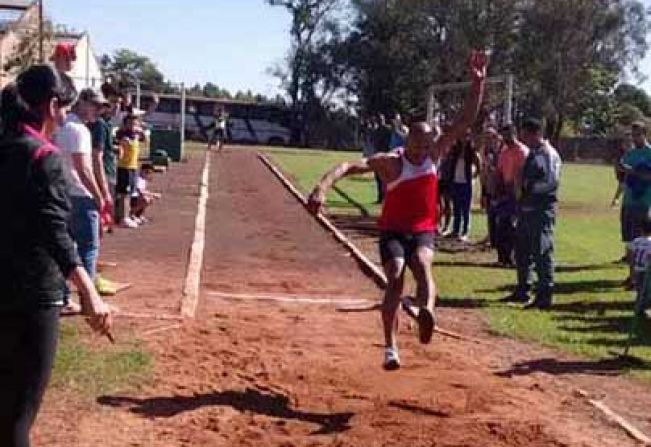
<point x="130" y="145"/>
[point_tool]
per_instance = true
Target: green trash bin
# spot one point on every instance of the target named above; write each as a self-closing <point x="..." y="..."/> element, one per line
<point x="168" y="141"/>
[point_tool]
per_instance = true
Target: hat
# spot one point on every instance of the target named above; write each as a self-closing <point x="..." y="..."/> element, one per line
<point x="65" y="50"/>
<point x="90" y="95"/>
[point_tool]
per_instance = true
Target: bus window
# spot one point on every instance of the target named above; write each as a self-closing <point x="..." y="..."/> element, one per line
<point x="169" y="105"/>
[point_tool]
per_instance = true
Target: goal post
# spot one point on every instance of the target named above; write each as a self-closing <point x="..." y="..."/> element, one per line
<point x="505" y="81"/>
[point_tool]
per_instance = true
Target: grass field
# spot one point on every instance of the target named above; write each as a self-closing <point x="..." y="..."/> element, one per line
<point x="591" y="313"/>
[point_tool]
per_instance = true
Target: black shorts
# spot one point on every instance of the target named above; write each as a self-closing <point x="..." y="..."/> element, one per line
<point x="217" y="135"/>
<point x="403" y="245"/>
<point x="126" y="181"/>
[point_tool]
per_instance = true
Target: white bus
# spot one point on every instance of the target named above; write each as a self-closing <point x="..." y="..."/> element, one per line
<point x="248" y="123"/>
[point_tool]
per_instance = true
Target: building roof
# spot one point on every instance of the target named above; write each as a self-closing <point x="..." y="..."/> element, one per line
<point x="16" y="5"/>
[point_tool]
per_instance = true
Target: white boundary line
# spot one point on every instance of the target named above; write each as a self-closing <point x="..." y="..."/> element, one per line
<point x="192" y="283"/>
<point x="294" y="299"/>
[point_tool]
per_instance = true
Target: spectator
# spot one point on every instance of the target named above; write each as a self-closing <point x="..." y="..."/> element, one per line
<point x="63" y="58"/>
<point x="635" y="165"/>
<point x="509" y="169"/>
<point x="538" y="195"/>
<point x="381" y="140"/>
<point x="129" y="138"/>
<point x="143" y="198"/>
<point x="489" y="153"/>
<point x="37" y="253"/>
<point x="87" y="199"/>
<point x="465" y="166"/>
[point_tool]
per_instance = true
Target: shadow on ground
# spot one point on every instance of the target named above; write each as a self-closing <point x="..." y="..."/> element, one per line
<point x="249" y="400"/>
<point x="607" y="367"/>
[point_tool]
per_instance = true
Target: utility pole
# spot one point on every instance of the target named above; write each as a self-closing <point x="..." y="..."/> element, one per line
<point x="41" y="55"/>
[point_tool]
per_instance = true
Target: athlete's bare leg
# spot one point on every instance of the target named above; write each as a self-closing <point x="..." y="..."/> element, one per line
<point x="421" y="266"/>
<point x="394" y="270"/>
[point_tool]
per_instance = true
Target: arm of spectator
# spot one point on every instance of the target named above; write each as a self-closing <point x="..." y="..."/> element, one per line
<point x="84" y="166"/>
<point x="53" y="208"/>
<point x="100" y="175"/>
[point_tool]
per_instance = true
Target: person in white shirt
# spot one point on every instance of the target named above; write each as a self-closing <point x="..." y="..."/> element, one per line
<point x="74" y="140"/>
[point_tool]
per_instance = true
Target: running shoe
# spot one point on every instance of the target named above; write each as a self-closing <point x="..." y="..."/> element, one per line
<point x="127" y="222"/>
<point x="391" y="359"/>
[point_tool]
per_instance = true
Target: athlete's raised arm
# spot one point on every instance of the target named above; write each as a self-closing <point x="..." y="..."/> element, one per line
<point x="478" y="65"/>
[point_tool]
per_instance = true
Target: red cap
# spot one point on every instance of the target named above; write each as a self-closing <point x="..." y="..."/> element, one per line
<point x="65" y="50"/>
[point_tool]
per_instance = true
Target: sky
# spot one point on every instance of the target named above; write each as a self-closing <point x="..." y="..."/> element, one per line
<point x="232" y="43"/>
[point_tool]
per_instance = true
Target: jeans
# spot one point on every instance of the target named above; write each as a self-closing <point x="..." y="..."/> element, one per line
<point x="380" y="189"/>
<point x="85" y="232"/>
<point x="28" y="342"/>
<point x="461" y="201"/>
<point x="535" y="248"/>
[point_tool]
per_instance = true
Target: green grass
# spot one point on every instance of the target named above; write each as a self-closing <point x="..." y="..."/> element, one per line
<point x="592" y="311"/>
<point x="92" y="370"/>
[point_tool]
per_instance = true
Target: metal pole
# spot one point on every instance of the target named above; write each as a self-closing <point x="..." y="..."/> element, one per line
<point x="182" y="132"/>
<point x="41" y="54"/>
<point x="137" y="93"/>
<point x="508" y="104"/>
<point x="430" y="105"/>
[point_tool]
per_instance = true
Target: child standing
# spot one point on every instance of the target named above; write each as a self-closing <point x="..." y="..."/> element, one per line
<point x="639" y="257"/>
<point x="129" y="138"/>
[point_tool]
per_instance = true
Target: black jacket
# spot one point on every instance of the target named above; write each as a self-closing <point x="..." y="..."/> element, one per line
<point x="37" y="252"/>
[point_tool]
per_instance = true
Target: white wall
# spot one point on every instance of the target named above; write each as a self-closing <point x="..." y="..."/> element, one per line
<point x="85" y="71"/>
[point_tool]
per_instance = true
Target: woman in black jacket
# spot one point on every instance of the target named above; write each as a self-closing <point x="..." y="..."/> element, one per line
<point x="37" y="253"/>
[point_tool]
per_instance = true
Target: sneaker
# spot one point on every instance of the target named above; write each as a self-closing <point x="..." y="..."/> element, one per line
<point x="538" y="303"/>
<point x="128" y="223"/>
<point x="464" y="238"/>
<point x="515" y="298"/>
<point x="105" y="287"/>
<point x="143" y="220"/>
<point x="391" y="359"/>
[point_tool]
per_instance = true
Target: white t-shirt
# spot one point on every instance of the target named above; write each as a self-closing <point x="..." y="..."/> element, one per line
<point x="641" y="248"/>
<point x="74" y="138"/>
<point x="141" y="186"/>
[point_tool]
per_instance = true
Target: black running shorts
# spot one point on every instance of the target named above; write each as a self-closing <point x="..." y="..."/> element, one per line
<point x="395" y="245"/>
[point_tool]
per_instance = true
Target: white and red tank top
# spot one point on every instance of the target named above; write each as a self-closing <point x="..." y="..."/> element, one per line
<point x="411" y="201"/>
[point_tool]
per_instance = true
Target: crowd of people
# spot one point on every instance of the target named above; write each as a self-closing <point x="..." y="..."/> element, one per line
<point x="69" y="168"/>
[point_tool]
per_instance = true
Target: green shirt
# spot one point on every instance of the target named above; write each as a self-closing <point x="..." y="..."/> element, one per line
<point x="103" y="138"/>
<point x="634" y="158"/>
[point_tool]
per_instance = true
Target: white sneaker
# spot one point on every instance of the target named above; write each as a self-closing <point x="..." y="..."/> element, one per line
<point x="137" y="220"/>
<point x="143" y="220"/>
<point x="391" y="359"/>
<point x="128" y="223"/>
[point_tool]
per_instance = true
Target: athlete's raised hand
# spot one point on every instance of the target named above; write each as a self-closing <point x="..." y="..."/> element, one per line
<point x="478" y="65"/>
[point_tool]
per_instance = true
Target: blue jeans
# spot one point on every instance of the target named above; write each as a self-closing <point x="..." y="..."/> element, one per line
<point x="461" y="201"/>
<point x="84" y="226"/>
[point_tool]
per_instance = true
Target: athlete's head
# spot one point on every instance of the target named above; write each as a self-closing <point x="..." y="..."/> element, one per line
<point x="419" y="141"/>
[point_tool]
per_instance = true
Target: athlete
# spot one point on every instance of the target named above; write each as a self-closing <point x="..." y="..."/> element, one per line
<point x="409" y="214"/>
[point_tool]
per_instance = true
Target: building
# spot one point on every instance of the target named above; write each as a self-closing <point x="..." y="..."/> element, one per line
<point x="18" y="18"/>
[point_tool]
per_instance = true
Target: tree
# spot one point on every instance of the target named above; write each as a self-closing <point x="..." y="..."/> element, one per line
<point x="562" y="44"/>
<point x="126" y="66"/>
<point x="26" y="53"/>
<point x="303" y="76"/>
<point x="630" y="94"/>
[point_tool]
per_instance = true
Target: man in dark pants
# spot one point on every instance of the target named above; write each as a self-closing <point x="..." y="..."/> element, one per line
<point x="381" y="142"/>
<point x="536" y="218"/>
